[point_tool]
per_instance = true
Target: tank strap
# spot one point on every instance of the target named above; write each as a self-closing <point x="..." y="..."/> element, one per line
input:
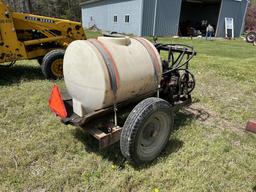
<point x="110" y="63"/>
<point x="153" y="56"/>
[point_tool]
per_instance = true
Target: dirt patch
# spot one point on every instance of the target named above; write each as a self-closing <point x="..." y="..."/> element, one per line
<point x="211" y="118"/>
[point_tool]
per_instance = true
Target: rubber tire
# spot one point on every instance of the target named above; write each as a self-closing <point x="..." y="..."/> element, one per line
<point x="251" y="40"/>
<point x="135" y="122"/>
<point x="48" y="59"/>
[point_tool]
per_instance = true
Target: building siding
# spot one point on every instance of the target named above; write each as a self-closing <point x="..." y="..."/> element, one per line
<point x="167" y="18"/>
<point x="91" y="16"/>
<point x="148" y="17"/>
<point x="102" y="15"/>
<point x="145" y="20"/>
<point x="233" y="9"/>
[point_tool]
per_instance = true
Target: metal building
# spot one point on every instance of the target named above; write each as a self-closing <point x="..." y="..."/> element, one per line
<point x="163" y="17"/>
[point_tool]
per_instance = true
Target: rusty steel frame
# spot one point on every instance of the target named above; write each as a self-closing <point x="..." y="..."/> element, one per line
<point x="105" y="139"/>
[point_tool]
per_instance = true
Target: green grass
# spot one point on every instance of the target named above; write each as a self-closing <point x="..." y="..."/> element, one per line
<point x="92" y="34"/>
<point x="208" y="151"/>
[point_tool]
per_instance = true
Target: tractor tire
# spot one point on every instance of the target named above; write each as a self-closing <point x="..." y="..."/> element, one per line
<point x="146" y="131"/>
<point x="52" y="64"/>
<point x="251" y="37"/>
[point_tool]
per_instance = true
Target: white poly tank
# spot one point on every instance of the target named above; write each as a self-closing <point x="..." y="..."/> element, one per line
<point x="102" y="71"/>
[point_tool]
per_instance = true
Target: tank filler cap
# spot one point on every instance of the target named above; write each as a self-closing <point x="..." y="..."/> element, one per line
<point x="123" y="40"/>
<point x="112" y="34"/>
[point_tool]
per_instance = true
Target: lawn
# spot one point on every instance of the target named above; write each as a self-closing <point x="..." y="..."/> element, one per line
<point x="208" y="151"/>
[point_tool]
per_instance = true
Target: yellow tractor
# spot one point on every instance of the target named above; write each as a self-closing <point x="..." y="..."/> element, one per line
<point x="25" y="36"/>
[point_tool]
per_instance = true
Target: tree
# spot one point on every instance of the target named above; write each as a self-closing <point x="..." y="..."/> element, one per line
<point x="30" y="9"/>
<point x="250" y="22"/>
<point x="67" y="9"/>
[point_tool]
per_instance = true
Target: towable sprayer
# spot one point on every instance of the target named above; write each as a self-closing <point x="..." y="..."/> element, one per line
<point x="118" y="88"/>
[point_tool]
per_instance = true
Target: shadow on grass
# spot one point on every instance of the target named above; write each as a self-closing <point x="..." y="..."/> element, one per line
<point x="114" y="154"/>
<point x="18" y="73"/>
<point x="254" y="189"/>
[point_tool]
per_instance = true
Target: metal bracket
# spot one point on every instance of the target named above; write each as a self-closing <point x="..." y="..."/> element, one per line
<point x="105" y="139"/>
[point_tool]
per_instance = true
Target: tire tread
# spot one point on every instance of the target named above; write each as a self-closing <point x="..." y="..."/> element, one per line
<point x="132" y="125"/>
<point x="48" y="59"/>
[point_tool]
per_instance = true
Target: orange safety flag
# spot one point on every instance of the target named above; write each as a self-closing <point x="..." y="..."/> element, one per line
<point x="56" y="103"/>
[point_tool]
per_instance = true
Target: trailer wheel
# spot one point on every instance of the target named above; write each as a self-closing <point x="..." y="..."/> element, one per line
<point x="146" y="130"/>
<point x="52" y="64"/>
<point x="251" y="37"/>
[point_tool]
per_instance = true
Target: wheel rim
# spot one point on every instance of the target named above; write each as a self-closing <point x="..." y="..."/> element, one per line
<point x="153" y="135"/>
<point x="251" y="37"/>
<point x="57" y="68"/>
